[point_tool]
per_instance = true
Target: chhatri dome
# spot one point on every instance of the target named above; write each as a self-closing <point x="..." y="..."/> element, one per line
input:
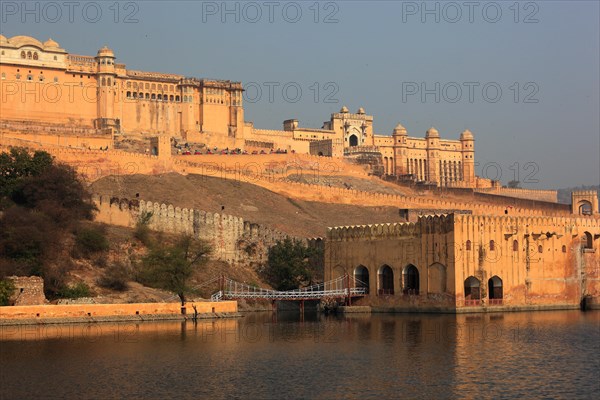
<point x="50" y="44"/>
<point x="344" y="110"/>
<point x="432" y="132"/>
<point x="466" y="135"/>
<point x="105" y="52"/>
<point x="399" y="129"/>
<point x="361" y="111"/>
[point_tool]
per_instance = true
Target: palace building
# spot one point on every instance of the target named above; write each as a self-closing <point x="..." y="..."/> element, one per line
<point x="44" y="84"/>
<point x="461" y="261"/>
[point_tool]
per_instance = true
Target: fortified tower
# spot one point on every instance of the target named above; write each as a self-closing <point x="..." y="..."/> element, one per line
<point x="107" y="87"/>
<point x="468" y="162"/>
<point x="432" y="137"/>
<point x="400" y="150"/>
<point x="185" y="119"/>
<point x="584" y="202"/>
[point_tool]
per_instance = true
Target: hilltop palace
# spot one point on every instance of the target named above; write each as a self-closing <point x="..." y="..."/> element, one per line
<point x="486" y="246"/>
<point x="55" y="87"/>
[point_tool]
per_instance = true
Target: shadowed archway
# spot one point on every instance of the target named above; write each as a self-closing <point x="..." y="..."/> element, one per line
<point x="353" y="140"/>
<point x="386" y="280"/>
<point x="361" y="277"/>
<point x="495" y="290"/>
<point x="472" y="291"/>
<point x="410" y="277"/>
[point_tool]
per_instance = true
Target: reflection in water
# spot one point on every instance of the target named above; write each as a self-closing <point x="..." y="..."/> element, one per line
<point x="512" y="355"/>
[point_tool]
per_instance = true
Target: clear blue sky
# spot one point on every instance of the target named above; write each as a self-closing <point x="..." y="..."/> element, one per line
<point x="377" y="54"/>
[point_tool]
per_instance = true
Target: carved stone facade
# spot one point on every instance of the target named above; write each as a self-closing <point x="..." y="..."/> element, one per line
<point x="42" y="84"/>
<point x="458" y="260"/>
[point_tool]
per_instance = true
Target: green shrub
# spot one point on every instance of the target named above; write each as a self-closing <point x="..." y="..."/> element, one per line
<point x="90" y="240"/>
<point x="7" y="288"/>
<point x="80" y="289"/>
<point x="142" y="231"/>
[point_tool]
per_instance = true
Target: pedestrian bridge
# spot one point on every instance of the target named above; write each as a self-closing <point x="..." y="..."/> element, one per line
<point x="339" y="288"/>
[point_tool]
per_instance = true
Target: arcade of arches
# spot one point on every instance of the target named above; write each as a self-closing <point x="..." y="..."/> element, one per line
<point x="438" y="261"/>
<point x="409" y="283"/>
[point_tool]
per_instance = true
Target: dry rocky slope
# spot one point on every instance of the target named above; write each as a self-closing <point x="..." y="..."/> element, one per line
<point x="251" y="202"/>
<point x="125" y="250"/>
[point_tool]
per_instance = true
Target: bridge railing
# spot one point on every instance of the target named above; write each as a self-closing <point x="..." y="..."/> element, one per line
<point x="338" y="287"/>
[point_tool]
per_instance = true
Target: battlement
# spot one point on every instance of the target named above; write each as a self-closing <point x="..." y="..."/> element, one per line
<point x="534" y="222"/>
<point x="271" y="132"/>
<point x="537" y="226"/>
<point x="352" y="116"/>
<point x="390" y="230"/>
<point x="173" y="78"/>
<point x="585" y="193"/>
<point x="232" y="239"/>
<point x="75" y="59"/>
<point x="531" y="194"/>
<point x="376" y="198"/>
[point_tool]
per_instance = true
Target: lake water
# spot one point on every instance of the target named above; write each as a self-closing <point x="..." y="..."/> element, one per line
<point x="265" y="355"/>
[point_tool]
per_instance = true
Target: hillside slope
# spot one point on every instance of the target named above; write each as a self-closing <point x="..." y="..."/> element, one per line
<point x="251" y="202"/>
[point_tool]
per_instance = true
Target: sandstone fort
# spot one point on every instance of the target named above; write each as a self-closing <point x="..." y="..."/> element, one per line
<point x="459" y="241"/>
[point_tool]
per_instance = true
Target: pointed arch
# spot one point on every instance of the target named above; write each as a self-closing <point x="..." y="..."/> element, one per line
<point x="410" y="279"/>
<point x="361" y="277"/>
<point x="385" y="280"/>
<point x="495" y="290"/>
<point x="472" y="291"/>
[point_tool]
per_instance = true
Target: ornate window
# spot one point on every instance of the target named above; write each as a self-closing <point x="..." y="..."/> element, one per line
<point x="23" y="54"/>
<point x="468" y="245"/>
<point x="35" y="55"/>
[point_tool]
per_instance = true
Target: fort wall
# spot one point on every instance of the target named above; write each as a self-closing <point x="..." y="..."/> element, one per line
<point x="268" y="172"/>
<point x="233" y="240"/>
<point x="530" y="194"/>
<point x="58" y="140"/>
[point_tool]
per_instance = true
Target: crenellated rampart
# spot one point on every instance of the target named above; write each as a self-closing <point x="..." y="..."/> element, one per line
<point x="443" y="223"/>
<point x="233" y="240"/>
<point x="529" y="194"/>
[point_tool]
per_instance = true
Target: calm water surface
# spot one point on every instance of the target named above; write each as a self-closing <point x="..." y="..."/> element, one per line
<point x="264" y="356"/>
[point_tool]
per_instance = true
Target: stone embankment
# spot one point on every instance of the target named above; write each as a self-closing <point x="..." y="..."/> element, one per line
<point x="86" y="313"/>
